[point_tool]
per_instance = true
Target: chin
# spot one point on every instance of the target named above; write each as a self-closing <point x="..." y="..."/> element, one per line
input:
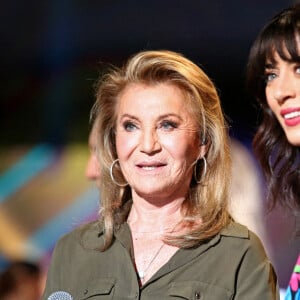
<point x="294" y="140"/>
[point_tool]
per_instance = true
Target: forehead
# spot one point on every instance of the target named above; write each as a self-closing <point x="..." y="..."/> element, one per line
<point x="153" y="96"/>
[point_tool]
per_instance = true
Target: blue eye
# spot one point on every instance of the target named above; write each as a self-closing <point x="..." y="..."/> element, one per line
<point x="129" y="126"/>
<point x="269" y="77"/>
<point x="168" y="125"/>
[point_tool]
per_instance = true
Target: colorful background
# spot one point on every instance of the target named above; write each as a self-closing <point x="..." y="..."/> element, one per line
<point x="52" y="53"/>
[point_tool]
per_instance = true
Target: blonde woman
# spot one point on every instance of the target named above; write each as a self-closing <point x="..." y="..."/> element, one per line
<point x="164" y="230"/>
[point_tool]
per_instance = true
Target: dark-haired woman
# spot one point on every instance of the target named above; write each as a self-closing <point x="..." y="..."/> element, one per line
<point x="274" y="79"/>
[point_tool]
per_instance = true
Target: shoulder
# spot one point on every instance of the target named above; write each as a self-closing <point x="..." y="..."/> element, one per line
<point x="77" y="252"/>
<point x="80" y="244"/>
<point x="247" y="248"/>
<point x="240" y="236"/>
<point x="87" y="236"/>
<point x="235" y="230"/>
<point x="239" y="231"/>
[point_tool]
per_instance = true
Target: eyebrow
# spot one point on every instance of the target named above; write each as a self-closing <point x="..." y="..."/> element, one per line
<point x="270" y="65"/>
<point x="126" y="115"/>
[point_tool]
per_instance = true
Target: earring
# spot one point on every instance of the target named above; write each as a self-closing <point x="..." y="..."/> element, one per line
<point x="203" y="173"/>
<point x="112" y="176"/>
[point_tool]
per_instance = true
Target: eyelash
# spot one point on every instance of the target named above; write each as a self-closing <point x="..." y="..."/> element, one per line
<point x="129" y="126"/>
<point x="267" y="76"/>
<point x="169" y="124"/>
<point x="273" y="74"/>
<point x="165" y="124"/>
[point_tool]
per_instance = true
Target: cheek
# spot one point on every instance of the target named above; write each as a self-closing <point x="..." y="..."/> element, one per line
<point x="273" y="105"/>
<point x="169" y="142"/>
<point x="270" y="101"/>
<point x="268" y="97"/>
<point x="125" y="144"/>
<point x="182" y="148"/>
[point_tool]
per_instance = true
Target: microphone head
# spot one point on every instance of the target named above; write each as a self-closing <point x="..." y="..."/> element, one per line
<point x="60" y="295"/>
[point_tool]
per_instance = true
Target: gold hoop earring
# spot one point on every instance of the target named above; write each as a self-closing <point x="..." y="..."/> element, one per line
<point x="203" y="172"/>
<point x="112" y="176"/>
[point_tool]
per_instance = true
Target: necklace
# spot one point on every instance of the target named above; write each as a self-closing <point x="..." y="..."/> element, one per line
<point x="142" y="273"/>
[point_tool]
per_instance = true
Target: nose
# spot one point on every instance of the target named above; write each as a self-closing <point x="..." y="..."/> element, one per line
<point x="284" y="88"/>
<point x="149" y="141"/>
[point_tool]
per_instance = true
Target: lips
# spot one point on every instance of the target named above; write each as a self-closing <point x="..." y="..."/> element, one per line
<point x="291" y="116"/>
<point x="149" y="166"/>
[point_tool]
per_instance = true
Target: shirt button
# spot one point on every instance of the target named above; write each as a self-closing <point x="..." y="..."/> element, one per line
<point x="197" y="295"/>
<point x="85" y="291"/>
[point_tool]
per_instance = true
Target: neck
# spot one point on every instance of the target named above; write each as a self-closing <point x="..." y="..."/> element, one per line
<point x="147" y="217"/>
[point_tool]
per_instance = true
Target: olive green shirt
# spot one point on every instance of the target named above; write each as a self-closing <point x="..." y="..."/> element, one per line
<point x="232" y="265"/>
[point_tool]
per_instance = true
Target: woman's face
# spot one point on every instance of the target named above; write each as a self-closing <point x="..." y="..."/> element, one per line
<point x="283" y="95"/>
<point x="157" y="140"/>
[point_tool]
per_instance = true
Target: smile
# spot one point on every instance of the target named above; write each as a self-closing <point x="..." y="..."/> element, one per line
<point x="291" y="115"/>
<point x="148" y="168"/>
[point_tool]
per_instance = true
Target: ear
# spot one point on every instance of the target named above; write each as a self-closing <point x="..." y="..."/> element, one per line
<point x="204" y="145"/>
<point x="202" y="151"/>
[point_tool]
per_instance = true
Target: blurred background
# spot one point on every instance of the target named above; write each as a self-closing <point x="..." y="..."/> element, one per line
<point x="52" y="53"/>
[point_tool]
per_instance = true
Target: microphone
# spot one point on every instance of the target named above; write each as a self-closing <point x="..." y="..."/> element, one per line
<point x="60" y="295"/>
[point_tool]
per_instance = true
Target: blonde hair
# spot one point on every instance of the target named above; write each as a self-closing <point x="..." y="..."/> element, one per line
<point x="206" y="201"/>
